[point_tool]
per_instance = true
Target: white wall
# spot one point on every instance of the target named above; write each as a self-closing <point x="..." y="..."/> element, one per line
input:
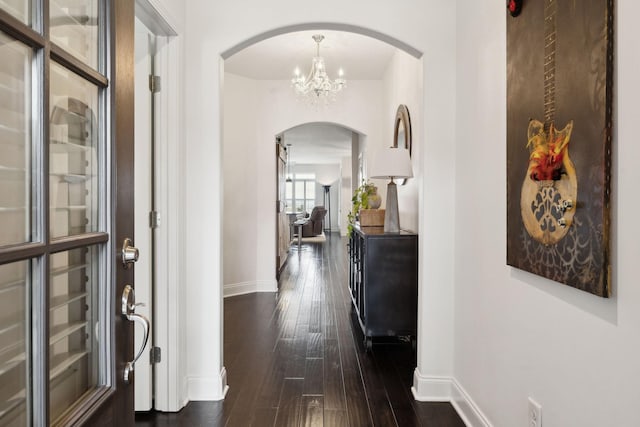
<point x="346" y="192"/>
<point x="403" y="85"/>
<point x="424" y="204"/>
<point x="244" y="209"/>
<point x="214" y="27"/>
<point x="516" y="334"/>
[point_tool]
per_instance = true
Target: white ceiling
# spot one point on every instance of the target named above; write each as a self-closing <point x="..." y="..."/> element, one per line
<point x="318" y="143"/>
<point x="360" y="57"/>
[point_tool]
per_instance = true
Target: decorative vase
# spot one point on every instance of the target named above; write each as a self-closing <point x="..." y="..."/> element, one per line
<point x="374" y="199"/>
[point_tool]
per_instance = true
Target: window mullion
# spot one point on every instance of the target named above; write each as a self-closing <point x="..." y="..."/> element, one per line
<point x="40" y="289"/>
<point x="40" y="342"/>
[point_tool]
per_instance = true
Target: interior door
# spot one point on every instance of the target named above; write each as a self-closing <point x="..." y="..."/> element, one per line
<point x="282" y="220"/>
<point x="66" y="205"/>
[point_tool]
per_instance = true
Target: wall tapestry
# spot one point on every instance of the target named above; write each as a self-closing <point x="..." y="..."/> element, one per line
<point x="559" y="100"/>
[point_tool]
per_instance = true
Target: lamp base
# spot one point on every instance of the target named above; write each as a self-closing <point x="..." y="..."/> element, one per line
<point x="391" y="216"/>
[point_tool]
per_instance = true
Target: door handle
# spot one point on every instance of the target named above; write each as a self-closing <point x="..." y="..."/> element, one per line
<point x="130" y="253"/>
<point x="128" y="310"/>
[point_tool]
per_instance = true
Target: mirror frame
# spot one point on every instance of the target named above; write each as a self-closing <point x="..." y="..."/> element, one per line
<point x="402" y="117"/>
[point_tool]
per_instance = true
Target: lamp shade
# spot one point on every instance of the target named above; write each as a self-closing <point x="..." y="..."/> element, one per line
<point x="392" y="163"/>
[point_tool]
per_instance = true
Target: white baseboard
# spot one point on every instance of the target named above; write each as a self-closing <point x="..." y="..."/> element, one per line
<point x="208" y="388"/>
<point x="447" y="389"/>
<point x="467" y="408"/>
<point x="185" y="392"/>
<point x="233" y="289"/>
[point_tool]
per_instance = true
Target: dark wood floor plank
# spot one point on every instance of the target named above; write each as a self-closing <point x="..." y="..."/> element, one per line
<point x="312" y="411"/>
<point x="358" y="410"/>
<point x="296" y="358"/>
<point x="289" y="409"/>
<point x="270" y="385"/>
<point x="334" y="418"/>
<point x="263" y="417"/>
<point x="315" y="317"/>
<point x="396" y="362"/>
<point x="379" y="402"/>
<point x="333" y="382"/>
<point x="397" y="383"/>
<point x="330" y="330"/>
<point x="313" y="376"/>
<point x="439" y="414"/>
<point x="315" y="344"/>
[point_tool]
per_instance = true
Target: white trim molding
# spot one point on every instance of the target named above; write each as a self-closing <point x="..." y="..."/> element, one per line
<point x="467" y="408"/>
<point x="234" y="289"/>
<point x="431" y="389"/>
<point x="171" y="382"/>
<point x="447" y="389"/>
<point x="208" y="388"/>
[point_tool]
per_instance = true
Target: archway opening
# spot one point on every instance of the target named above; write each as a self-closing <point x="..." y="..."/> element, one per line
<point x="259" y="105"/>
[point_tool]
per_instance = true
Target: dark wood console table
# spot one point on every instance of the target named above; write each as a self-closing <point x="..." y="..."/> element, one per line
<point x="383" y="282"/>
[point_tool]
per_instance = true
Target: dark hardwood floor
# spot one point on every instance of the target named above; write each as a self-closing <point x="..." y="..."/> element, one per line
<point x="296" y="358"/>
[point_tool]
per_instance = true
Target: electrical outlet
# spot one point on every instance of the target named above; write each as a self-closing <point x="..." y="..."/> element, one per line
<point x="535" y="413"/>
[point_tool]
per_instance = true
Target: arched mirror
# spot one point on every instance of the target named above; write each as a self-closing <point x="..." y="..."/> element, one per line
<point x="402" y="131"/>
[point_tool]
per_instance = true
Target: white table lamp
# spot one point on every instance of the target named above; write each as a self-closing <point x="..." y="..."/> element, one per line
<point x="392" y="163"/>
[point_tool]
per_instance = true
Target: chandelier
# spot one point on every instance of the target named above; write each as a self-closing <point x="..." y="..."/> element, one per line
<point x="317" y="85"/>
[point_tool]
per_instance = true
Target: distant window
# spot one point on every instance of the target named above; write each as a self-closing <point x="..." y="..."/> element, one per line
<point x="300" y="194"/>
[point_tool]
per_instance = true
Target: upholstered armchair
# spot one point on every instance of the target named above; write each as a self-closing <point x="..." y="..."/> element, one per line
<point x="314" y="224"/>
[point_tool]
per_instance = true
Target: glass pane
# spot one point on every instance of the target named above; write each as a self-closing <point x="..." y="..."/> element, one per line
<point x="301" y="176"/>
<point x="73" y="322"/>
<point x="288" y="190"/>
<point x="14" y="333"/>
<point x="74" y="27"/>
<point x="73" y="162"/>
<point x="20" y="9"/>
<point x="15" y="141"/>
<point x="310" y="191"/>
<point x="309" y="205"/>
<point x="299" y="194"/>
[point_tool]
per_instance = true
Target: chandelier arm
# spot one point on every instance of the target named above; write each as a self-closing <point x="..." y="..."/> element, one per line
<point x="317" y="83"/>
<point x="309" y="79"/>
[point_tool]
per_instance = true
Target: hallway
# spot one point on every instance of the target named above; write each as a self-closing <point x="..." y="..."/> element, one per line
<point x="294" y="359"/>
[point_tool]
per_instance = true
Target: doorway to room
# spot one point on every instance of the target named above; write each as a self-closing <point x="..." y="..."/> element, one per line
<point x="314" y="170"/>
<point x="257" y="103"/>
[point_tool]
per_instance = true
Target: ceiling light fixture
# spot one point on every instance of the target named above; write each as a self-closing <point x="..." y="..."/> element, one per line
<point x="317" y="85"/>
<point x="289" y="179"/>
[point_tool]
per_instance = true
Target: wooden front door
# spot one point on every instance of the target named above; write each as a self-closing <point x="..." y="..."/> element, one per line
<point x="66" y="207"/>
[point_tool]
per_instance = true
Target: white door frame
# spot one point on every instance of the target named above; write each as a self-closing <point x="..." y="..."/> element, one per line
<point x="144" y="54"/>
<point x="169" y="292"/>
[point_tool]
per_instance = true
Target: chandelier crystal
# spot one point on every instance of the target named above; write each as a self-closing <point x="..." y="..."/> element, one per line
<point x="317" y="86"/>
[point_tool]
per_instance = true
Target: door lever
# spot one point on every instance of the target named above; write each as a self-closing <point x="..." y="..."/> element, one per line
<point x="128" y="308"/>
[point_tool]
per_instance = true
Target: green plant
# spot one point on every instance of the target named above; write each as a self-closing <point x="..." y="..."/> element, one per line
<point x="360" y="200"/>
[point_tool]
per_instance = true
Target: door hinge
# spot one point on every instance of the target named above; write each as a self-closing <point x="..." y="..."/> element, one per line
<point x="154" y="83"/>
<point x="154" y="219"/>
<point x="155" y="354"/>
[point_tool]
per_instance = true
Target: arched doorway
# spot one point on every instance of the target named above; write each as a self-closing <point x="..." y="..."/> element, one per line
<point x="216" y="27"/>
<point x="254" y="111"/>
<point x="314" y="170"/>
